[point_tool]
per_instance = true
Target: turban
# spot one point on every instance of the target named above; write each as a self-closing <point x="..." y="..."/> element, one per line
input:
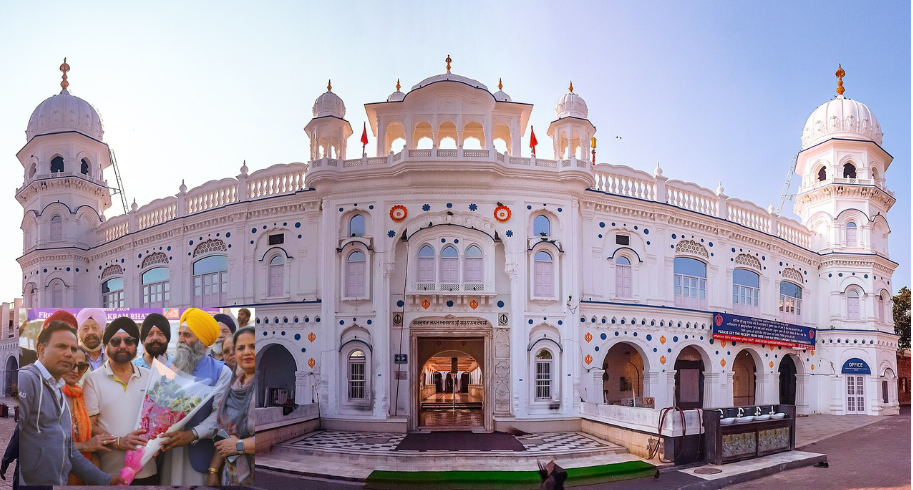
<point x="96" y="314"/>
<point x="202" y="324"/>
<point x="155" y="320"/>
<point x="223" y="318"/>
<point x="118" y="324"/>
<point x="61" y="315"/>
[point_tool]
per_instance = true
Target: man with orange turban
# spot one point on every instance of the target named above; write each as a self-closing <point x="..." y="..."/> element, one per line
<point x="188" y="452"/>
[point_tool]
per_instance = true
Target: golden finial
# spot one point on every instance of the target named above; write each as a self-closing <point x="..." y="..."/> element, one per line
<point x="448" y="60"/>
<point x="500" y="85"/>
<point x="329" y="85"/>
<point x="840" y="74"/>
<point x="593" y="142"/>
<point x="397" y="85"/>
<point x="64" y="68"/>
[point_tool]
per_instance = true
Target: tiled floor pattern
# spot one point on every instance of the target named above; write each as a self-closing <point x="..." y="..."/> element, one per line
<point x="383" y="442"/>
<point x="448" y="397"/>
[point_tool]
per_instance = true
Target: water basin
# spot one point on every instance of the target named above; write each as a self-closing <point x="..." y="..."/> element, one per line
<point x="778" y="416"/>
<point x="744" y="420"/>
<point x="762" y="417"/>
<point x="727" y="421"/>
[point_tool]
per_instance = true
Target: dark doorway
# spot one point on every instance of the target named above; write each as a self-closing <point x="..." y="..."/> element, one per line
<point x="689" y="379"/>
<point x="787" y="381"/>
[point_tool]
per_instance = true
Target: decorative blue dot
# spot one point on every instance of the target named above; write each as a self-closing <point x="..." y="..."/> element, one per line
<point x="593" y="320"/>
<point x="473" y="207"/>
<point x="866" y="276"/>
<point x="297" y="336"/>
<point x="840" y="275"/>
<point x="251" y="242"/>
<point x="763" y="258"/>
<point x="283" y="332"/>
<point x="616" y="334"/>
<point x="669" y="350"/>
<point x="596" y="348"/>
<point x="646" y="231"/>
<point x="648" y="242"/>
<point x="635" y="227"/>
<point x="303" y="349"/>
<point x="298" y="225"/>
<point x="449" y="204"/>
<point x="369" y="322"/>
<point x="560" y="322"/>
<point x="559" y="210"/>
<point x="500" y="304"/>
<point x="600" y="235"/>
<point x="654" y="349"/>
<point x="613" y="224"/>
<point x="635" y="334"/>
<point x="68" y="269"/>
<point x="509" y="233"/>
<point x="306" y="319"/>
<point x="602" y="336"/>
<point x="399" y="304"/>
<point x="45" y="270"/>
<point x="456" y="240"/>
<point x="830" y="275"/>
<point x="603" y="320"/>
<point x="229" y="245"/>
<point x="582" y="319"/>
<point x="342" y="322"/>
<point x="602" y="224"/>
<point x="283" y="224"/>
<point x="710" y="243"/>
<point x="317" y="319"/>
<point x="252" y="230"/>
<point x="530" y="321"/>
<point x="340" y="210"/>
<point x="529" y="207"/>
<point x="299" y="236"/>
<point x="673" y="236"/>
<point x="649" y="337"/>
<point x="443" y="240"/>
<point x="711" y="341"/>
<point x="264" y="333"/>
<point x="426" y="207"/>
<point x="449" y="303"/>
<point x="613" y="321"/>
<point x="686" y="337"/>
<point x="675" y="339"/>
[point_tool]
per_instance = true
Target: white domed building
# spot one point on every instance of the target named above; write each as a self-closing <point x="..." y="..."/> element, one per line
<point x="547" y="293"/>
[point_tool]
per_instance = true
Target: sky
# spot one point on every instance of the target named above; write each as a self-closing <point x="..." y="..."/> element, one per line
<point x="715" y="91"/>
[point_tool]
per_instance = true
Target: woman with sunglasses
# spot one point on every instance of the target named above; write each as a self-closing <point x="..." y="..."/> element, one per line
<point x="82" y="429"/>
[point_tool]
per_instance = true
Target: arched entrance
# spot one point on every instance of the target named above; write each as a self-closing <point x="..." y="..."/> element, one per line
<point x="623" y="379"/>
<point x="275" y="376"/>
<point x="744" y="379"/>
<point x="689" y="379"/>
<point x="788" y="374"/>
<point x="12" y="368"/>
<point x="451" y="391"/>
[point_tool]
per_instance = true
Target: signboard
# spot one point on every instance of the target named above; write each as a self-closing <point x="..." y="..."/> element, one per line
<point x="397" y="320"/>
<point x="502" y="320"/>
<point x="400" y="358"/>
<point x="135" y="314"/>
<point x="760" y="331"/>
<point x="855" y="365"/>
<point x="399" y="375"/>
<point x="449" y="323"/>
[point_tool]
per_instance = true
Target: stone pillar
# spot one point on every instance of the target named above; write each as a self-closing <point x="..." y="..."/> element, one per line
<point x="594" y="390"/>
<point x="303" y="394"/>
<point x="802" y="390"/>
<point x="655" y="386"/>
<point x="726" y="395"/>
<point x="837" y="394"/>
<point x="768" y="391"/>
<point x="670" y="389"/>
<point x="381" y="138"/>
<point x="712" y="390"/>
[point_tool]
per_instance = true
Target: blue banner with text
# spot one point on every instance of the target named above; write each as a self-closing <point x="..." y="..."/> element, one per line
<point x="761" y="331"/>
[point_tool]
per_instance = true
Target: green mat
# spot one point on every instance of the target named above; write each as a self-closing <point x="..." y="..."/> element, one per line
<point x="496" y="480"/>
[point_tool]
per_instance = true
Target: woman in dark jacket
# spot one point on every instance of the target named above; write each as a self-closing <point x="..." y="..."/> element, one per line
<point x="12" y="454"/>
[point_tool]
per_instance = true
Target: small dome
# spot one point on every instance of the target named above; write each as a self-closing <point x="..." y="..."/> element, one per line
<point x="396" y="96"/>
<point x="501" y="96"/>
<point x="571" y="105"/>
<point x="450" y="77"/>
<point x="64" y="112"/>
<point x="329" y="104"/>
<point x="841" y="118"/>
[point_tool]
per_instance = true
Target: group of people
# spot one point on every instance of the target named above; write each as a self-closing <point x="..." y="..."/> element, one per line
<point x="80" y="400"/>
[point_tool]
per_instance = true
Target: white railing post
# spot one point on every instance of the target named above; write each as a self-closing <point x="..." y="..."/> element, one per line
<point x="660" y="184"/>
<point x="773" y="220"/>
<point x="722" y="210"/>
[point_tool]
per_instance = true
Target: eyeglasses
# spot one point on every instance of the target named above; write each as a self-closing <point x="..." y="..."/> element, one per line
<point x="82" y="367"/>
<point x="129" y="341"/>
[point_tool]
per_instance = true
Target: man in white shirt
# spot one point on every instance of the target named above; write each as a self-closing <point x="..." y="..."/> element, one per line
<point x="155" y="335"/>
<point x="90" y="324"/>
<point x="114" y="397"/>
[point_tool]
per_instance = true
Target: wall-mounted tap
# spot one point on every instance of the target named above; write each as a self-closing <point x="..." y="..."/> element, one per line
<point x="757" y="411"/>
<point x="772" y="412"/>
<point x="741" y="412"/>
<point x="722" y="413"/>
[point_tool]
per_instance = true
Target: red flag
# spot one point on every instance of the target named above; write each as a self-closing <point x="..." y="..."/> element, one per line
<point x="532" y="139"/>
<point x="364" y="134"/>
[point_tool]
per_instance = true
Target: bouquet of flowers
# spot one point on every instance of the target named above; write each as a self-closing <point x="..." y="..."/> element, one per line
<point x="172" y="398"/>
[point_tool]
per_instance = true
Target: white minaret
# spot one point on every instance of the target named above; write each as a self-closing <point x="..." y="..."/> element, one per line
<point x="571" y="130"/>
<point x="328" y="131"/>
<point x="63" y="196"/>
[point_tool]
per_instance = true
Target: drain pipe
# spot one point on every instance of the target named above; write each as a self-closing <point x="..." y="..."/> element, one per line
<point x="403" y="327"/>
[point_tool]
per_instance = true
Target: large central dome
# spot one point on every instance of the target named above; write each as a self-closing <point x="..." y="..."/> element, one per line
<point x="64" y="112"/>
<point x="450" y="77"/>
<point x="841" y="118"/>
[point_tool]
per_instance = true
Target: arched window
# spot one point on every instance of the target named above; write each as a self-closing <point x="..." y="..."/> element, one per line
<point x="543" y="274"/>
<point x="57" y="164"/>
<point x="690" y="283"/>
<point x="852" y="304"/>
<point x="210" y="281"/>
<point x="33" y="170"/>
<point x="357" y="225"/>
<point x="56" y="229"/>
<point x="84" y="167"/>
<point x="426" y="264"/>
<point x="57" y="287"/>
<point x="472" y="266"/>
<point x="822" y="174"/>
<point x="745" y="291"/>
<point x="790" y="302"/>
<point x="622" y="277"/>
<point x="875" y="174"/>
<point x="544" y="375"/>
<point x="276" y="279"/>
<point x="851" y="234"/>
<point x="156" y="288"/>
<point x="112" y="293"/>
<point x="879" y="306"/>
<point x="31" y="295"/>
<point x="450" y="266"/>
<point x="355" y="275"/>
<point x="849" y="171"/>
<point x="541" y="226"/>
<point x="356" y="374"/>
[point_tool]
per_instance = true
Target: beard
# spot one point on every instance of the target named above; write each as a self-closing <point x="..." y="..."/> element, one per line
<point x="122" y="356"/>
<point x="92" y="343"/>
<point x="187" y="357"/>
<point x="217" y="347"/>
<point x="155" y="349"/>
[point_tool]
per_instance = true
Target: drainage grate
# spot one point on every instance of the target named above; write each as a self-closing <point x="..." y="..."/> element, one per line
<point x="373" y="440"/>
<point x="707" y="471"/>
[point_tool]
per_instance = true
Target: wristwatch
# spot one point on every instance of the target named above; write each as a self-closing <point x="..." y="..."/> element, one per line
<point x="196" y="436"/>
<point x="240" y="446"/>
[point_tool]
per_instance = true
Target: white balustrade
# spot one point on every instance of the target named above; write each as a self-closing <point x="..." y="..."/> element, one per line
<point x="690" y="196"/>
<point x="748" y="214"/>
